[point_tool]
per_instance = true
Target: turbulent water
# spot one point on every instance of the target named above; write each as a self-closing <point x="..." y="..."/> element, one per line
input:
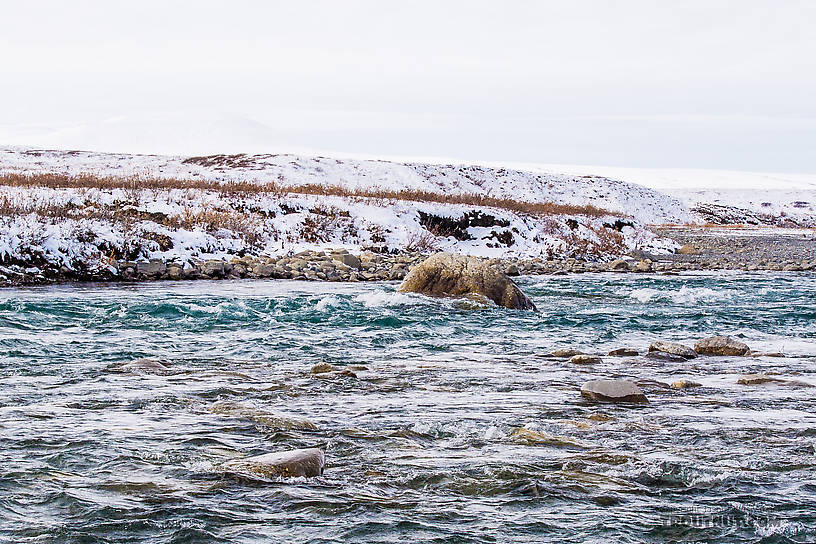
<point x="423" y="444"/>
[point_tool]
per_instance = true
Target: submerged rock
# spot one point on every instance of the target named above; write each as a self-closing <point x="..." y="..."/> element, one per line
<point x="673" y="348"/>
<point x="142" y="366"/>
<point x="666" y="357"/>
<point x="624" y="352"/>
<point x="536" y="437"/>
<point x="684" y="384"/>
<point x="321" y="368"/>
<point x="753" y="353"/>
<point x="721" y="345"/>
<point x="264" y="417"/>
<point x="564" y="353"/>
<point x="284" y="464"/>
<point x="584" y="359"/>
<point x="759" y="379"/>
<point x="457" y="276"/>
<point x="335" y="374"/>
<point x="613" y="391"/>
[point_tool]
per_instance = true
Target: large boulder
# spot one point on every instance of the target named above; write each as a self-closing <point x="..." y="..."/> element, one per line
<point x="613" y="391"/>
<point x="284" y="464"/>
<point x="721" y="345"/>
<point x="448" y="275"/>
<point x="673" y="348"/>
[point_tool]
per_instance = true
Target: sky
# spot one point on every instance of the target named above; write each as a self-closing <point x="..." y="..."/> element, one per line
<point x="693" y="84"/>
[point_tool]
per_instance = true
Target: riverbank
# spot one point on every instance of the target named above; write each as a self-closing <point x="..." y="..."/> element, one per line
<point x="702" y="249"/>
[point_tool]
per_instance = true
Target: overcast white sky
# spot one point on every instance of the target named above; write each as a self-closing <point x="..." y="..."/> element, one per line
<point x="697" y="84"/>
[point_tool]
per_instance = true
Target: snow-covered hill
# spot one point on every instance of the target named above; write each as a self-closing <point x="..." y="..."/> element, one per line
<point x="219" y="206"/>
<point x="83" y="210"/>
<point x="643" y="204"/>
<point x="774" y="197"/>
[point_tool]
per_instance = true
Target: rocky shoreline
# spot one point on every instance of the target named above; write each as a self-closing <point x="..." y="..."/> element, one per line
<point x="703" y="249"/>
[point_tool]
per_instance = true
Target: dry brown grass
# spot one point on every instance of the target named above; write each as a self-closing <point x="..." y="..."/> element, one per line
<point x="89" y="181"/>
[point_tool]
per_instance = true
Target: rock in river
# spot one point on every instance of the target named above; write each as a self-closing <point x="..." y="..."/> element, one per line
<point x="721" y="345"/>
<point x="613" y="391"/>
<point x="321" y="368"/>
<point x="759" y="379"/>
<point x="684" y="384"/>
<point x="448" y="275"/>
<point x="673" y="348"/>
<point x="564" y="353"/>
<point x="584" y="359"/>
<point x="665" y="357"/>
<point x="624" y="352"/>
<point x="286" y="464"/>
<point x="263" y="417"/>
<point x="142" y="366"/>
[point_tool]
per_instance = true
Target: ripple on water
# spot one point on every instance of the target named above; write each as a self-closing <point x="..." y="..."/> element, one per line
<point x="452" y="428"/>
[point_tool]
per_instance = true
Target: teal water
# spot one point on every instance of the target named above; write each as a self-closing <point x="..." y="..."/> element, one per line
<point x="420" y="446"/>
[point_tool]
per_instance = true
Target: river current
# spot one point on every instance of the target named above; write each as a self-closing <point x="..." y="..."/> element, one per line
<point x="454" y="427"/>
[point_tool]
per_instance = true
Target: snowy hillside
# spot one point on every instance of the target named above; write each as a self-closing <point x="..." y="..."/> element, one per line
<point x="643" y="204"/>
<point x="78" y="211"/>
<point x="778" y="195"/>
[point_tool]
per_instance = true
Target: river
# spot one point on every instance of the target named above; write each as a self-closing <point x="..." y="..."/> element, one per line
<point x="422" y="443"/>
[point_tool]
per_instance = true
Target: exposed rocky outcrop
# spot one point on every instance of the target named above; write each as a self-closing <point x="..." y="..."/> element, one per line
<point x="286" y="464"/>
<point x="448" y="275"/>
<point x="613" y="391"/>
<point x="721" y="345"/>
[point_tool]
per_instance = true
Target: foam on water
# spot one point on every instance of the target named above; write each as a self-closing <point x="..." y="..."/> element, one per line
<point x="327" y="303"/>
<point x="684" y="295"/>
<point x="420" y="445"/>
<point x="380" y="298"/>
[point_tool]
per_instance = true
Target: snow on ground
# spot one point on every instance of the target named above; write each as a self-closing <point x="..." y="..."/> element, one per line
<point x="775" y="194"/>
<point x="648" y="195"/>
<point x="90" y="227"/>
<point x="643" y="204"/>
<point x="97" y="225"/>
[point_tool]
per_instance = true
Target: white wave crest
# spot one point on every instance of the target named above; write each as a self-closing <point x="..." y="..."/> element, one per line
<point x="326" y="303"/>
<point x="376" y="299"/>
<point x="684" y="295"/>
